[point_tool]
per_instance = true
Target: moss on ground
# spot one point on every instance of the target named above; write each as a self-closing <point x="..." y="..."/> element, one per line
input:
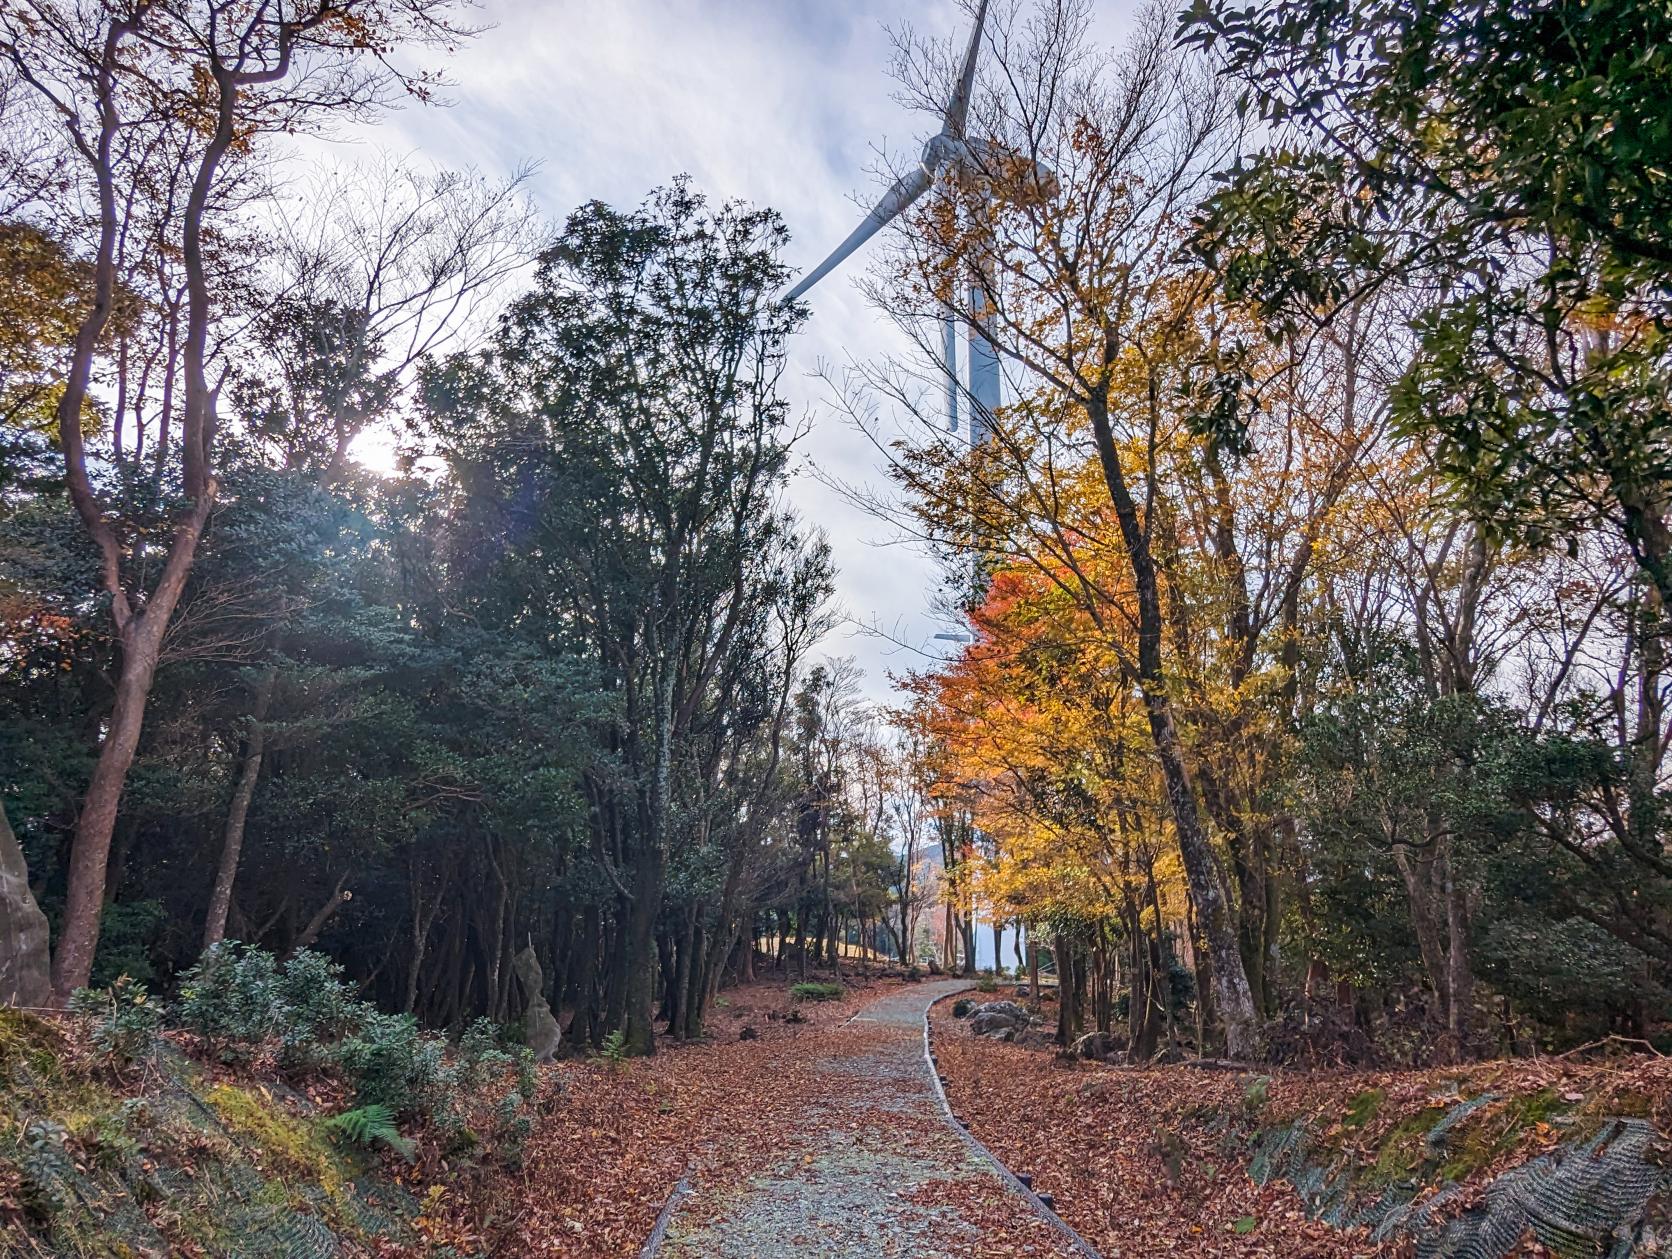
<point x="26" y="1042"/>
<point x="1363" y="1107"/>
<point x="1494" y="1131"/>
<point x="1401" y="1153"/>
<point x="291" y="1143"/>
<point x="104" y="1165"/>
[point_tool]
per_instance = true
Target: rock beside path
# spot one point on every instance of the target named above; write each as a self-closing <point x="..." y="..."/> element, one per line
<point x="540" y="1026"/>
<point x="1002" y="1020"/>
<point x="24" y="978"/>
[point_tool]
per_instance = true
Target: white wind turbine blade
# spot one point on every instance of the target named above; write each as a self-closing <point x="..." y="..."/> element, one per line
<point x="958" y="108"/>
<point x="908" y="188"/>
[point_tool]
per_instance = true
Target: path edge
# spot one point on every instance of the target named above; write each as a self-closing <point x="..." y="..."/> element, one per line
<point x="1083" y="1247"/>
<point x="659" y="1233"/>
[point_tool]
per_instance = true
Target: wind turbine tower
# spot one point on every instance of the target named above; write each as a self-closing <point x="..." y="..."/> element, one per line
<point x="944" y="155"/>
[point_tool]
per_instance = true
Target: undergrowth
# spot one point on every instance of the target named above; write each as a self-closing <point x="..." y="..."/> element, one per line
<point x="206" y="1127"/>
<point x="817" y="992"/>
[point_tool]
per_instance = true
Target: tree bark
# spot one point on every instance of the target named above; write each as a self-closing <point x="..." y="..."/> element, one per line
<point x="640" y="960"/>
<point x="1235" y="1000"/>
<point x="232" y="841"/>
<point x="141" y="639"/>
<point x="1417" y="871"/>
<point x="309" y="933"/>
<point x="1460" y="975"/>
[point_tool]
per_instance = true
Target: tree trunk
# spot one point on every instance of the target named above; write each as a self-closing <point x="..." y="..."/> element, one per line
<point x="232" y="841"/>
<point x="1417" y="871"/>
<point x="422" y="922"/>
<point x="72" y="963"/>
<point x="306" y="937"/>
<point x="1459" y="974"/>
<point x="1230" y="981"/>
<point x="640" y="960"/>
<point x="679" y="1019"/>
<point x="1231" y="991"/>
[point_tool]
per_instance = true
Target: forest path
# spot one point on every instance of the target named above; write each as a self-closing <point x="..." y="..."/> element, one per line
<point x="872" y="1167"/>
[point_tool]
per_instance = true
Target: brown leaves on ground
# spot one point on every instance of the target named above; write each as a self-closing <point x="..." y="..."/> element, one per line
<point x="1135" y="1159"/>
<point x="611" y="1143"/>
<point x="1142" y="1162"/>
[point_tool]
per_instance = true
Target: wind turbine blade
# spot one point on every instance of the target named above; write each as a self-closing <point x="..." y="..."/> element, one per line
<point x="958" y="108"/>
<point x="908" y="188"/>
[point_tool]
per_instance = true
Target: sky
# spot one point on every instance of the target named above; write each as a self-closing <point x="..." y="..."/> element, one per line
<point x="787" y="103"/>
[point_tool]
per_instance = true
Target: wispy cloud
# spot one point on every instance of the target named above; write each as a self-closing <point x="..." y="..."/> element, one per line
<point x="786" y="103"/>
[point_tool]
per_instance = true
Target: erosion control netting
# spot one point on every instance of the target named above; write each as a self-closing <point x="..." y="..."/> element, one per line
<point x="221" y="1201"/>
<point x="1586" y="1199"/>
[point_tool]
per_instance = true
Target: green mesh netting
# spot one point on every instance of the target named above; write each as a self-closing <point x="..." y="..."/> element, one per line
<point x="278" y="1232"/>
<point x="379" y="1208"/>
<point x="68" y="1195"/>
<point x="1440" y="1132"/>
<point x="1585" y="1200"/>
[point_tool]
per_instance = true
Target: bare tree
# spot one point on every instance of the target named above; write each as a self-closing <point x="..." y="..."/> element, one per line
<point x="379" y="265"/>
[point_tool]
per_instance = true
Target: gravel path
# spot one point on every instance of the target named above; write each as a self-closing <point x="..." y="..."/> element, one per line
<point x="872" y="1169"/>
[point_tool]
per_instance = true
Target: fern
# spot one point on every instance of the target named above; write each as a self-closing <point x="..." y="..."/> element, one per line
<point x="371" y="1125"/>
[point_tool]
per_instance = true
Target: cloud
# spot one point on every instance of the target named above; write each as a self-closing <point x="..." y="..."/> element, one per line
<point x="784" y="103"/>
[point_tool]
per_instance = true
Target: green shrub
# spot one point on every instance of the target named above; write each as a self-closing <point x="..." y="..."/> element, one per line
<point x="369" y="1126"/>
<point x="481" y="1053"/>
<point x="238" y="997"/>
<point x="962" y="1007"/>
<point x="614" y="1049"/>
<point x="231" y="997"/>
<point x="122" y="1019"/>
<point x="986" y="982"/>
<point x="817" y="992"/>
<point x="316" y="1001"/>
<point x="390" y="1063"/>
<point x="512" y="1126"/>
<point x="490" y="1051"/>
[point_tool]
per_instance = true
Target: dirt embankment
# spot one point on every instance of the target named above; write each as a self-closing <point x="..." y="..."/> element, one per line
<point x="172" y="1158"/>
<point x="1554" y="1156"/>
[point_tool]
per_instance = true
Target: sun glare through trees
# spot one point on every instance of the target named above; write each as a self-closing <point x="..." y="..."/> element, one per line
<point x="466" y="789"/>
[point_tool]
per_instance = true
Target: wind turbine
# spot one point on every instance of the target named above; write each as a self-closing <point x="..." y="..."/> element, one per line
<point x="943" y="154"/>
